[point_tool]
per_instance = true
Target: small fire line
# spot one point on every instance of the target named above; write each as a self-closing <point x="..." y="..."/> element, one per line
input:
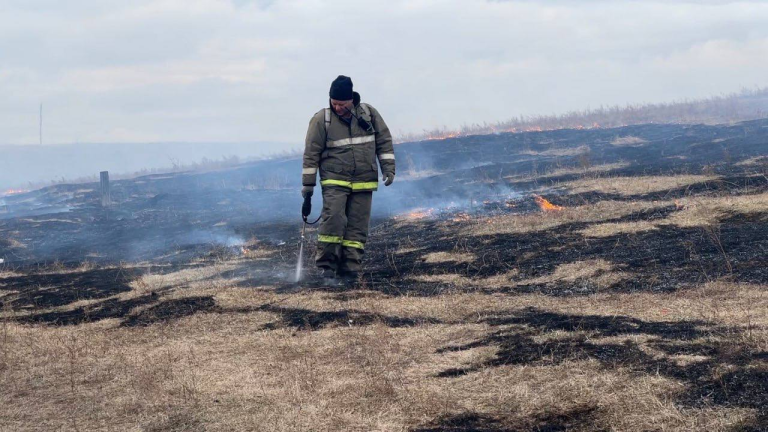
<point x="487" y="208"/>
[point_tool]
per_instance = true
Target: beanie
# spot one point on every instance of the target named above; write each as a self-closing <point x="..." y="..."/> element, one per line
<point x="341" y="88"/>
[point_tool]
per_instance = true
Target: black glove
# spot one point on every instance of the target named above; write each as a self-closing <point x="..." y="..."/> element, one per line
<point x="388" y="178"/>
<point x="306" y="208"/>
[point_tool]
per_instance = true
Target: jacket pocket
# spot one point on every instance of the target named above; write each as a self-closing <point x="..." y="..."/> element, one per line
<point x="333" y="166"/>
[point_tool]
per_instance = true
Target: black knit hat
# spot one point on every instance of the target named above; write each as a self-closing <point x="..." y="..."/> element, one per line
<point x="341" y="88"/>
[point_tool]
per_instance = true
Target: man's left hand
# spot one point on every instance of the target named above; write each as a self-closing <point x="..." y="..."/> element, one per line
<point x="388" y="178"/>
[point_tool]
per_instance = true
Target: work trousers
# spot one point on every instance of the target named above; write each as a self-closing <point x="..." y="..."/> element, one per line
<point x="343" y="229"/>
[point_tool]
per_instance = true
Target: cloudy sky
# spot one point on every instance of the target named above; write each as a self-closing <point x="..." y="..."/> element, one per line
<point x="256" y="70"/>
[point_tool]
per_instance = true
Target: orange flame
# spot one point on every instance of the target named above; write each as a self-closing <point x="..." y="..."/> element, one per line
<point x="14" y="192"/>
<point x="419" y="214"/>
<point x="442" y="135"/>
<point x="461" y="217"/>
<point x="545" y="205"/>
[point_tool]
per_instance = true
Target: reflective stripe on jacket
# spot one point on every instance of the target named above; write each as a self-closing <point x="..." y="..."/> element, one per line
<point x="344" y="153"/>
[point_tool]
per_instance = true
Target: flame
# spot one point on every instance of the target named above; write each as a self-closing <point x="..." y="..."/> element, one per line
<point x="14" y="192"/>
<point x="442" y="136"/>
<point x="461" y="217"/>
<point x="419" y="214"/>
<point x="545" y="205"/>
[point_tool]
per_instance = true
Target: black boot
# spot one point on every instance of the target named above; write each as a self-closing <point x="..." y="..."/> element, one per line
<point x="350" y="278"/>
<point x="329" y="278"/>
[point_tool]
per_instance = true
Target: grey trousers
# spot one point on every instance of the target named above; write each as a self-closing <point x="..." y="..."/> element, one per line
<point x="343" y="229"/>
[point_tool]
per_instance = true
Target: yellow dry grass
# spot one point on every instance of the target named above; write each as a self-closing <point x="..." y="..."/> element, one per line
<point x="222" y="371"/>
<point x="15" y="244"/>
<point x="628" y="141"/>
<point x="634" y="185"/>
<point x="597" y="212"/>
<point x="564" y="151"/>
<point x="704" y="211"/>
<point x="455" y="257"/>
<point x="600" y="271"/>
<point x="318" y="360"/>
<point x="555" y="172"/>
<point x="615" y="228"/>
<point x="693" y="212"/>
<point x="8" y="273"/>
<point x="452" y="279"/>
<point x="754" y="161"/>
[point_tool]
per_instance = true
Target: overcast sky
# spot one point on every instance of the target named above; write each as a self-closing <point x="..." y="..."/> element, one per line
<point x="256" y="70"/>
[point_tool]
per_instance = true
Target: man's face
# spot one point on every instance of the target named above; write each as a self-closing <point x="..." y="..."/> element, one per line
<point x="342" y="108"/>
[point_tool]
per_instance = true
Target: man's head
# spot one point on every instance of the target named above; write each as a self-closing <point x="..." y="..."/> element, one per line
<point x="342" y="95"/>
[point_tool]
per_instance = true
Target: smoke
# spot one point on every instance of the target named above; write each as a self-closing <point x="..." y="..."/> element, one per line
<point x="177" y="215"/>
<point x="454" y="197"/>
<point x="181" y="215"/>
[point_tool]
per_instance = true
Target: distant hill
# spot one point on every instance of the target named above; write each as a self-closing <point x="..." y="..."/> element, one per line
<point x="39" y="165"/>
<point x="730" y="108"/>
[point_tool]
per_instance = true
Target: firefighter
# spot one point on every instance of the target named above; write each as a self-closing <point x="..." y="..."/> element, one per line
<point x="343" y="144"/>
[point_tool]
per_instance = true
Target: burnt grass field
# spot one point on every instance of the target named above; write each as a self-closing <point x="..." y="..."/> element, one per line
<point x="638" y="302"/>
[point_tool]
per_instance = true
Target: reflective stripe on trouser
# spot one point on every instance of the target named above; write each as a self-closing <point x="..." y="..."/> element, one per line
<point x="343" y="229"/>
<point x="338" y="240"/>
<point x="355" y="186"/>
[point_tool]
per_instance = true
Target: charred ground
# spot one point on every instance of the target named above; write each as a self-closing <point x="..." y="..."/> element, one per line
<point x="640" y="305"/>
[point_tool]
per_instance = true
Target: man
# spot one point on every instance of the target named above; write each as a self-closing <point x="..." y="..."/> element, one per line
<point x="343" y="144"/>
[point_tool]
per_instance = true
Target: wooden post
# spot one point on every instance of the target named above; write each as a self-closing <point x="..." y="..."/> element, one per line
<point x="106" y="199"/>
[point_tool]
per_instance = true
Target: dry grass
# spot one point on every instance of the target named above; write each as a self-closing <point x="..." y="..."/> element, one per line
<point x="599" y="271"/>
<point x="628" y="141"/>
<point x="612" y="229"/>
<point x="8" y="273"/>
<point x="634" y="185"/>
<point x="565" y="151"/>
<point x="602" y="274"/>
<point x="223" y="372"/>
<point x="705" y="211"/>
<point x="600" y="211"/>
<point x="452" y="279"/>
<point x="438" y="257"/>
<point x="754" y="161"/>
<point x="556" y="172"/>
<point x="15" y="244"/>
<point x="324" y="361"/>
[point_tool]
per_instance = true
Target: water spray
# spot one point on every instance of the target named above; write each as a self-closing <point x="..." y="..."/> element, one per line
<point x="306" y="209"/>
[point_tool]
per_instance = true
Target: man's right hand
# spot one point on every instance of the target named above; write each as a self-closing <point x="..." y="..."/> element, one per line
<point x="307" y="191"/>
<point x="388" y="178"/>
